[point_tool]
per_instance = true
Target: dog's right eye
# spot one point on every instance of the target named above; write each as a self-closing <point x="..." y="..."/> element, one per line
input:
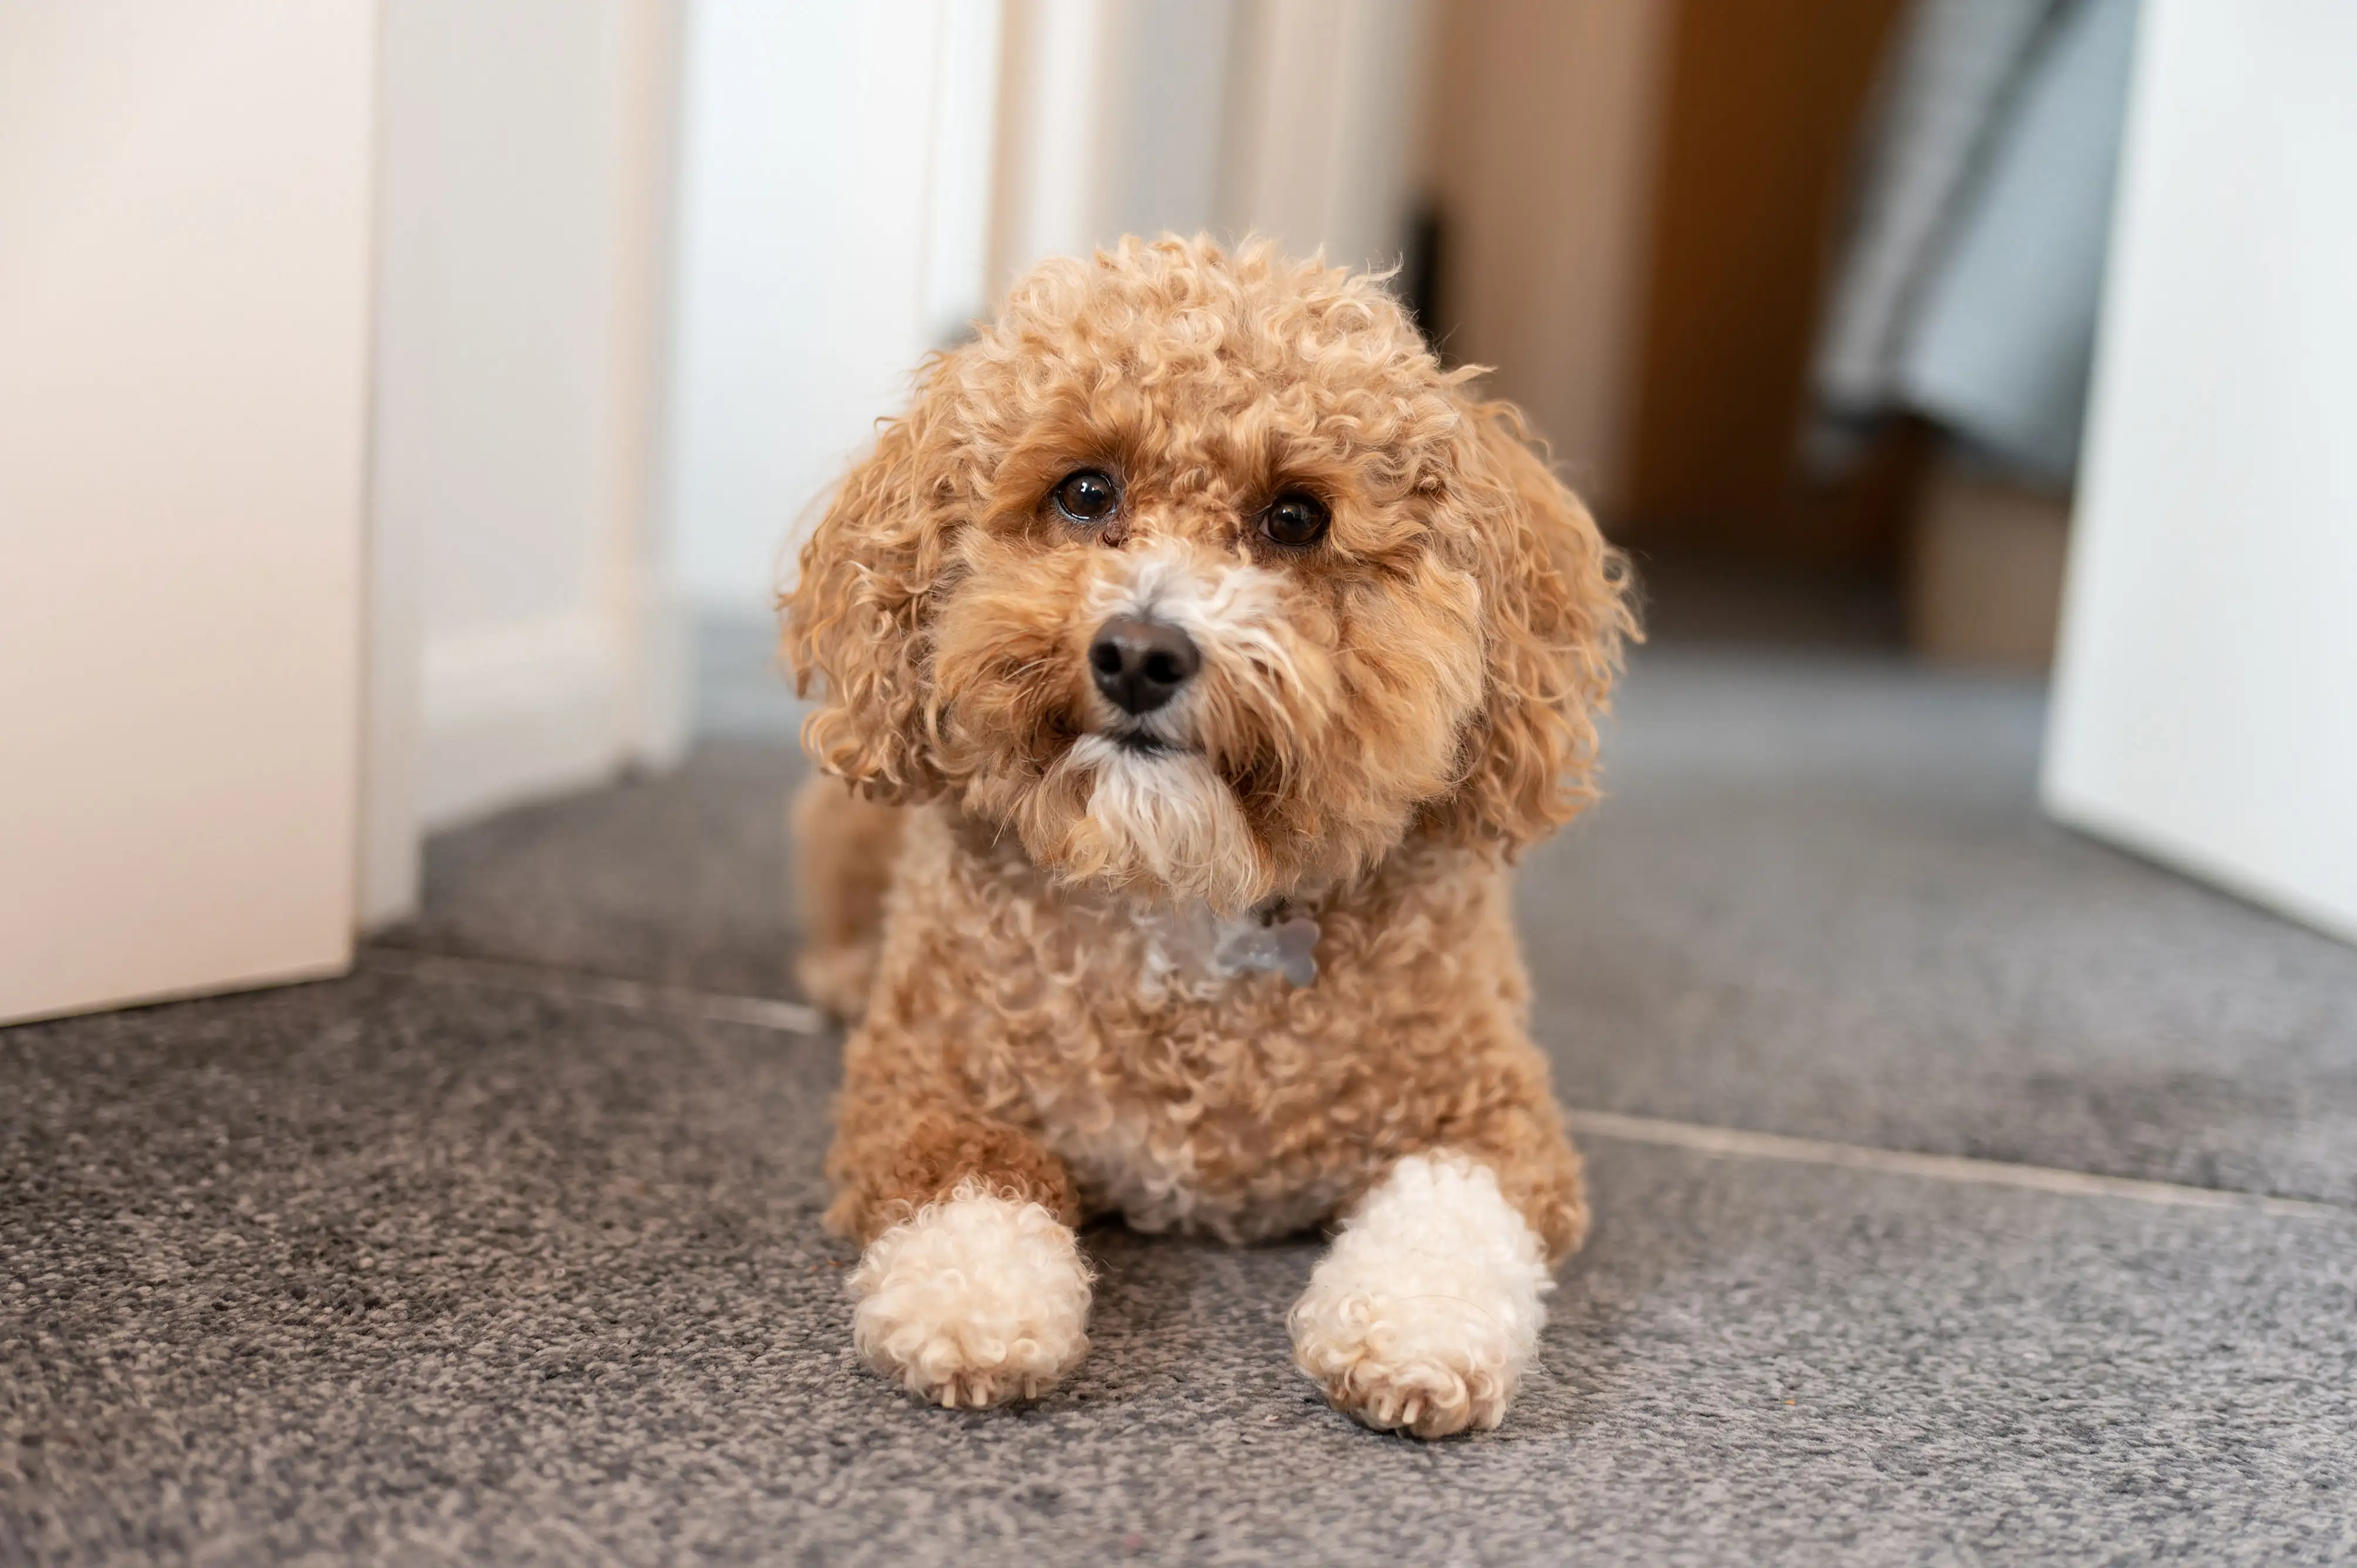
<point x="1088" y="495"/>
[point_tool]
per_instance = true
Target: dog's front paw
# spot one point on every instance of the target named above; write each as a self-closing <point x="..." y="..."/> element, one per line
<point x="1424" y="1315"/>
<point x="976" y="1300"/>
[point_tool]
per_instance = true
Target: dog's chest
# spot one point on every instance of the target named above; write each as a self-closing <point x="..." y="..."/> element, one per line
<point x="1164" y="1166"/>
<point x="1160" y="1106"/>
<point x="1166" y="1056"/>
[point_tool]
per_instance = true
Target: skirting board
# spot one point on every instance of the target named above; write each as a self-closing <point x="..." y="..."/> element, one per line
<point x="535" y="710"/>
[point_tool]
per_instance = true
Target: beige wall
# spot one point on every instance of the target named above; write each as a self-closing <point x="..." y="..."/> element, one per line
<point x="1540" y="153"/>
<point x="184" y="267"/>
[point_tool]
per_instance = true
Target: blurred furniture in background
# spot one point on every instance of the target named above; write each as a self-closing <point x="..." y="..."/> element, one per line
<point x="1984" y="577"/>
<point x="1754" y="269"/>
<point x="1973" y="274"/>
<point x="1967" y="298"/>
<point x="1538" y="169"/>
<point x="1760" y="123"/>
<point x="1635" y="201"/>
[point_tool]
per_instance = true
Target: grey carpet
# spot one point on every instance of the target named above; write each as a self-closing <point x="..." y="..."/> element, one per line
<point x="1820" y="900"/>
<point x="401" y="1271"/>
<point x="680" y="879"/>
<point x="405" y="1267"/>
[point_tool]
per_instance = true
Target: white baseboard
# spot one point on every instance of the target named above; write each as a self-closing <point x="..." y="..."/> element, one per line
<point x="535" y="710"/>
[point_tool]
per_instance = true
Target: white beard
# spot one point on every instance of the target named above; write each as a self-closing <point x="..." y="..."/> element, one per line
<point x="1166" y="818"/>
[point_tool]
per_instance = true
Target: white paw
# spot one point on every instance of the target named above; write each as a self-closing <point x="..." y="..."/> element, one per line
<point x="1428" y="1308"/>
<point x="976" y="1300"/>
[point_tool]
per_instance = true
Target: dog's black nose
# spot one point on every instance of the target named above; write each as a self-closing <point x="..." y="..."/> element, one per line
<point x="1140" y="664"/>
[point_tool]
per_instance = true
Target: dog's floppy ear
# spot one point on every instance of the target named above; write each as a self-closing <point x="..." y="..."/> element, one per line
<point x="860" y="616"/>
<point x="1556" y="610"/>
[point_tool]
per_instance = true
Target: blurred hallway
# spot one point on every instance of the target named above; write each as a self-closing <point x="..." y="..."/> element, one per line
<point x="409" y="414"/>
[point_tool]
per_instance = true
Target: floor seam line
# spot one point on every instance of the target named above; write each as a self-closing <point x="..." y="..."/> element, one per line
<point x="1732" y="1143"/>
<point x="1728" y="1143"/>
<point x="587" y="985"/>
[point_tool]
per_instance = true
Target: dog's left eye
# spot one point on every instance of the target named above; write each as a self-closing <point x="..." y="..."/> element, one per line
<point x="1295" y="518"/>
<point x="1088" y="495"/>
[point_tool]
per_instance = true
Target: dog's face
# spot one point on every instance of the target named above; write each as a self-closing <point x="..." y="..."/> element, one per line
<point x="1198" y="573"/>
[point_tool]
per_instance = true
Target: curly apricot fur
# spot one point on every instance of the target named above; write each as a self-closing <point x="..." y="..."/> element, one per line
<point x="1389" y="716"/>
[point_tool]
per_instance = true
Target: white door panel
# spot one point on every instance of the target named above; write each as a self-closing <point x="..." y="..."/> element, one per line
<point x="2205" y="702"/>
<point x="184" y="250"/>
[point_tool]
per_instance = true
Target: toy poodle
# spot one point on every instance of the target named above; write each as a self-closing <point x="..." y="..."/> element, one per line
<point x="1193" y="656"/>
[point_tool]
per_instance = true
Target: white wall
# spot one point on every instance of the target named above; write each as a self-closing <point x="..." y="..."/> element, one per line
<point x="523" y="225"/>
<point x="2206" y="692"/>
<point x="861" y="180"/>
<point x="184" y="264"/>
<point x="832" y="228"/>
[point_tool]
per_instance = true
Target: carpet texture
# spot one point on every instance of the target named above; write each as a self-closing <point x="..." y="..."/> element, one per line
<point x="679" y="879"/>
<point x="1820" y="900"/>
<point x="455" y="1261"/>
<point x="395" y="1269"/>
